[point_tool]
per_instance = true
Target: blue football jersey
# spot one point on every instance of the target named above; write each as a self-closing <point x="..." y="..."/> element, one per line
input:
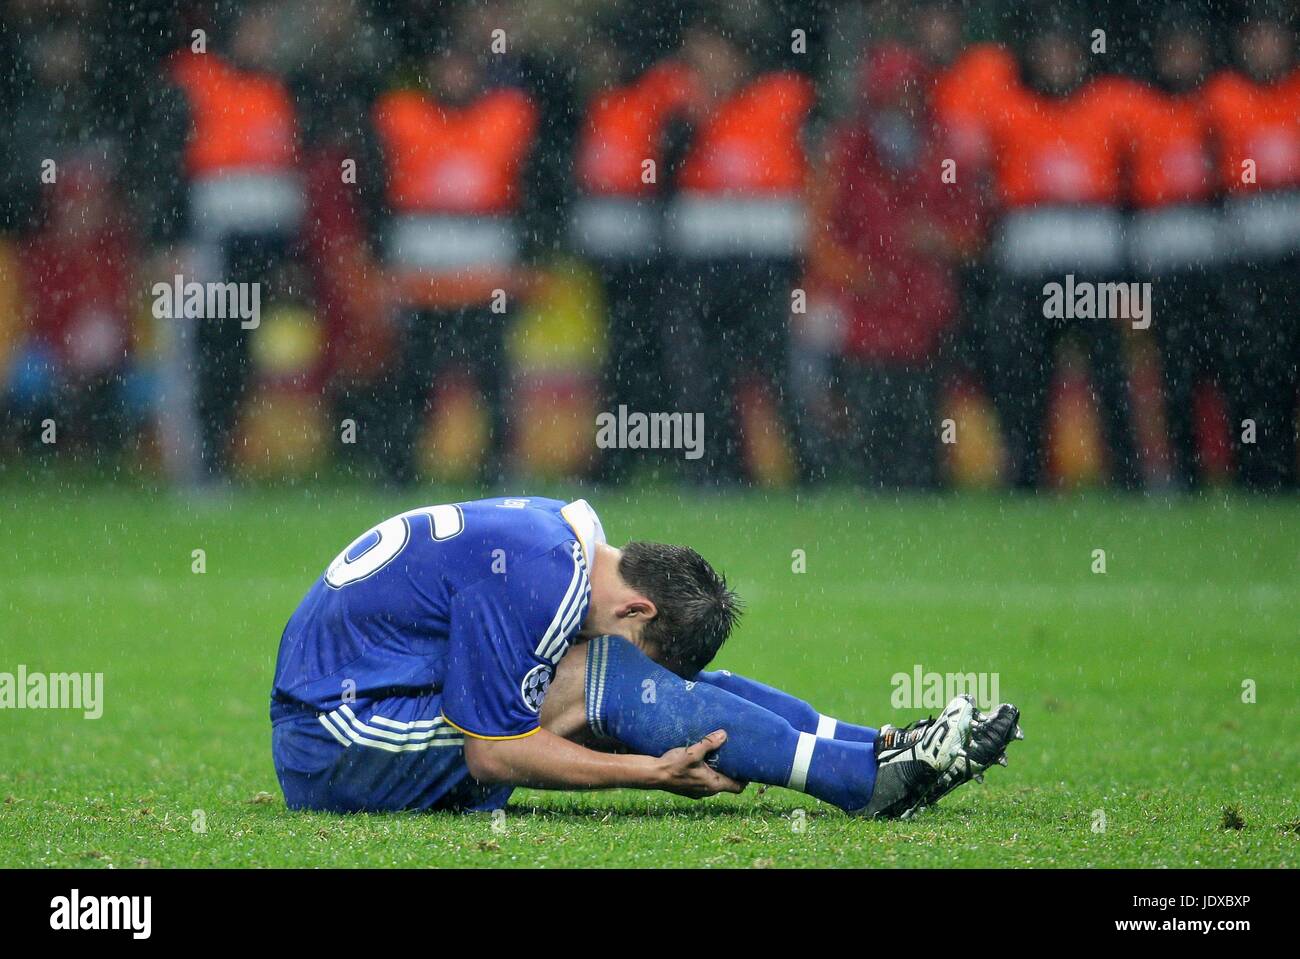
<point x="476" y="601"/>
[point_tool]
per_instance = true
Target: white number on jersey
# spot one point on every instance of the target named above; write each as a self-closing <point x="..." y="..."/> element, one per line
<point x="385" y="541"/>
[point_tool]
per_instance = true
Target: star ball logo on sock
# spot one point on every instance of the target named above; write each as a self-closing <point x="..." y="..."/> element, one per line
<point x="922" y="690"/>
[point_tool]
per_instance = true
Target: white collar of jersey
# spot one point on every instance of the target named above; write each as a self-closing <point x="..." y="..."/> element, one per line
<point x="586" y="524"/>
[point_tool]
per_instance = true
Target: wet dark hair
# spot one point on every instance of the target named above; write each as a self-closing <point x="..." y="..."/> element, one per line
<point x="696" y="609"/>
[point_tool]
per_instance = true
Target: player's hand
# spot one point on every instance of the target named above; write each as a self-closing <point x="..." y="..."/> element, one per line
<point x="684" y="771"/>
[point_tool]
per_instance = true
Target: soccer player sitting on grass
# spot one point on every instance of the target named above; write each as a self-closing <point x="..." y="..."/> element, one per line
<point x="455" y="652"/>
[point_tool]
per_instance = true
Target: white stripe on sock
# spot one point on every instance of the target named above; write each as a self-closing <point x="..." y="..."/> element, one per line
<point x="825" y="727"/>
<point x="803" y="754"/>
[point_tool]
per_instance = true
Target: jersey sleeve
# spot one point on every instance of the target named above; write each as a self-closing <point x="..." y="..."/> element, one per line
<point x="507" y="633"/>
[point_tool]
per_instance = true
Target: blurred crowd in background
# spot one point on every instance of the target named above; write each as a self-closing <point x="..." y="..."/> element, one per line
<point x="826" y="226"/>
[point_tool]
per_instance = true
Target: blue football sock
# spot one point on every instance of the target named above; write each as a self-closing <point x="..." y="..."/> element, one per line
<point x="651" y="710"/>
<point x="793" y="710"/>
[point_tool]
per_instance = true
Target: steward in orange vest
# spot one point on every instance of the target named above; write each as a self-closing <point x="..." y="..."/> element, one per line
<point x="968" y="78"/>
<point x="454" y="159"/>
<point x="983" y="74"/>
<point x="244" y="204"/>
<point x="619" y="155"/>
<point x="1057" y="164"/>
<point x="734" y="232"/>
<point x="616" y="222"/>
<point x="241" y="156"/>
<point x="1254" y="115"/>
<point x="452" y="175"/>
<point x="1174" y="230"/>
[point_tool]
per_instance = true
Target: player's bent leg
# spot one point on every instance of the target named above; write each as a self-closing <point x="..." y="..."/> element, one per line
<point x="634" y="700"/>
<point x="793" y="710"/>
<point x="303" y="758"/>
<point x="564" y="710"/>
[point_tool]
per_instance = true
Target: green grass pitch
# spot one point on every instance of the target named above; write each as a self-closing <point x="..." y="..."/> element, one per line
<point x="1131" y="681"/>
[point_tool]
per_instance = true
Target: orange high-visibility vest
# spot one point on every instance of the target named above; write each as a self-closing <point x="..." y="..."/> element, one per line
<point x="752" y="144"/>
<point x="982" y="75"/>
<point x="1259" y="122"/>
<point x="1061" y="150"/>
<point x="1171" y="159"/>
<point x="241" y="120"/>
<point x="445" y="160"/>
<point x="452" y="181"/>
<point x="623" y="129"/>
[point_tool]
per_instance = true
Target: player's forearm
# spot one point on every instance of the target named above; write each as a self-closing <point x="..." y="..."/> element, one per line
<point x="547" y="761"/>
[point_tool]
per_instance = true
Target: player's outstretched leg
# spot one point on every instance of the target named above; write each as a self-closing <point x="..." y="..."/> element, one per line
<point x="651" y="710"/>
<point x="636" y="701"/>
<point x="793" y="710"/>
